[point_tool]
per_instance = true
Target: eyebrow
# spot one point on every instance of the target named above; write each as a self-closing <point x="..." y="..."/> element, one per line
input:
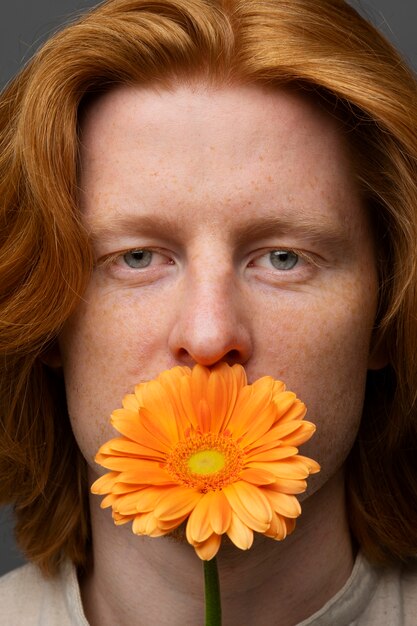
<point x="304" y="226"/>
<point x="136" y="224"/>
<point x="313" y="230"/>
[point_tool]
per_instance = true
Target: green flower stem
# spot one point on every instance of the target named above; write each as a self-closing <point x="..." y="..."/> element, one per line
<point x="212" y="593"/>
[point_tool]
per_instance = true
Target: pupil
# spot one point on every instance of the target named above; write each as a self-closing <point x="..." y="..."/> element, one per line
<point x="138" y="258"/>
<point x="283" y="259"/>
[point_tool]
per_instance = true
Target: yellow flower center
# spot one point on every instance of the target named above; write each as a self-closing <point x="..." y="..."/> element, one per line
<point x="205" y="461"/>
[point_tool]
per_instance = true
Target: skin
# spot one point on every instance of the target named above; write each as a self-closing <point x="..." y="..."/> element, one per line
<point x="209" y="182"/>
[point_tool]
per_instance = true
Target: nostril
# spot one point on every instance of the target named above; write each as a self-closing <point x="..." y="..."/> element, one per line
<point x="233" y="356"/>
<point x="184" y="357"/>
<point x="209" y="359"/>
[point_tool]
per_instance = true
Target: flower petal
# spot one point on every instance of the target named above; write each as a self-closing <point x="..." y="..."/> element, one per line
<point x="198" y="526"/>
<point x="108" y="501"/>
<point x="147" y="524"/>
<point x="130" y="402"/>
<point x="220" y="513"/>
<point x="265" y="386"/>
<point x="278" y="387"/>
<point x="303" y="433"/>
<point x="282" y="433"/>
<point x="121" y="519"/>
<point x="250" y="504"/>
<point x="170" y="525"/>
<point x="127" y="464"/>
<point x="251" y="403"/>
<point x="220" y="397"/>
<point x="313" y="466"/>
<point x="289" y="485"/>
<point x="208" y="549"/>
<point x="274" y="454"/>
<point x="235" y="379"/>
<point x="122" y="447"/>
<point x="239" y="533"/>
<point x="130" y="426"/>
<point x="126" y="504"/>
<point x="105" y="483"/>
<point x="148" y="497"/>
<point x="241" y="418"/>
<point x="155" y="476"/>
<point x="156" y="403"/>
<point x="177" y="502"/>
<point x="188" y="409"/>
<point x="285" y="401"/>
<point x="170" y="381"/>
<point x="290" y="411"/>
<point x="259" y="426"/>
<point x="257" y="476"/>
<point x="158" y="428"/>
<point x="198" y="384"/>
<point x="122" y="488"/>
<point x="126" y="422"/>
<point x="287" y="468"/>
<point x="278" y="529"/>
<point x="282" y="503"/>
<point x="204" y="416"/>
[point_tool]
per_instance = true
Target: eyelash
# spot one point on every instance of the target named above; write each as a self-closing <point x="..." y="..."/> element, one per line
<point x="277" y="252"/>
<point x="112" y="259"/>
<point x="303" y="259"/>
<point x="116" y="260"/>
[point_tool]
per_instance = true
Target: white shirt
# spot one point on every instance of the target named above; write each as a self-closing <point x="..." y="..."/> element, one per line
<point x="370" y="597"/>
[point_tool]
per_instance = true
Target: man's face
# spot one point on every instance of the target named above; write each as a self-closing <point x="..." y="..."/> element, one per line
<point x="227" y="225"/>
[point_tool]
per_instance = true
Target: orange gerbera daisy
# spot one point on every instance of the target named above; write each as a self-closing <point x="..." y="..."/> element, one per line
<point x="202" y="444"/>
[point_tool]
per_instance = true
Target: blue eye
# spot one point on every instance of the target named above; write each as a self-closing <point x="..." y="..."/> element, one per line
<point x="138" y="259"/>
<point x="283" y="259"/>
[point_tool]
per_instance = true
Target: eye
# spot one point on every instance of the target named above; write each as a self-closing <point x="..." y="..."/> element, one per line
<point x="137" y="265"/>
<point x="138" y="259"/>
<point x="283" y="259"/>
<point x="285" y="266"/>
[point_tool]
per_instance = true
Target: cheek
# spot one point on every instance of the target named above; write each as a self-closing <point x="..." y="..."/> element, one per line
<point x="107" y="347"/>
<point x="321" y="352"/>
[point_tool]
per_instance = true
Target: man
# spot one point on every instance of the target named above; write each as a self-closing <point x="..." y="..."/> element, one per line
<point x="206" y="183"/>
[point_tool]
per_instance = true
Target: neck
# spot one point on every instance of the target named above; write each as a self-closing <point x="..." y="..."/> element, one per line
<point x="142" y="581"/>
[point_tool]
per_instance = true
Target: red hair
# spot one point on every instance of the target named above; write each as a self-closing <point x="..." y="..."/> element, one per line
<point x="45" y="261"/>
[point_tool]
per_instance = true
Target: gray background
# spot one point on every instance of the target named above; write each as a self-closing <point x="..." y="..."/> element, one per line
<point x="24" y="24"/>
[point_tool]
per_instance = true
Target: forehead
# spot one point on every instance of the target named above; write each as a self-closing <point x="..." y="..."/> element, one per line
<point x="246" y="148"/>
<point x="199" y="113"/>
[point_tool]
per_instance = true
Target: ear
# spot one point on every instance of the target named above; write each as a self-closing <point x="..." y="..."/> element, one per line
<point x="51" y="357"/>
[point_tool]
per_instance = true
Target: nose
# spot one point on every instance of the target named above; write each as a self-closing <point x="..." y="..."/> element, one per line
<point x="211" y="323"/>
